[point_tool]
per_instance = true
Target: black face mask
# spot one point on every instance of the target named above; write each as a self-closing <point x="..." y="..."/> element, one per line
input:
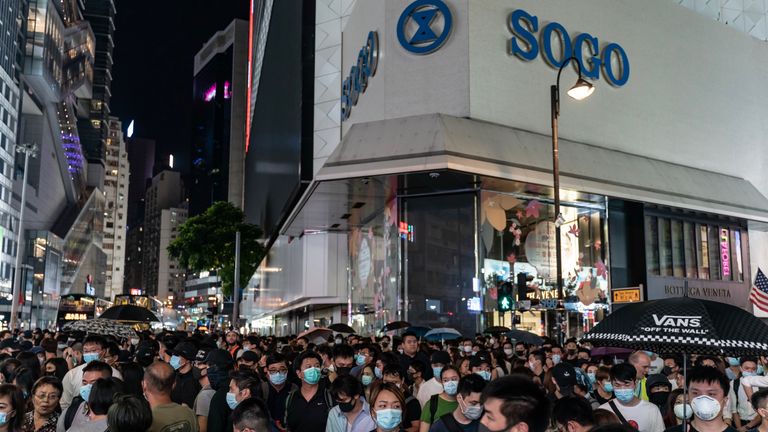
<point x="197" y="373"/>
<point x="571" y="351"/>
<point x="342" y="370"/>
<point x="659" y="399"/>
<point x="666" y="371"/>
<point x="346" y="407"/>
<point x="520" y="353"/>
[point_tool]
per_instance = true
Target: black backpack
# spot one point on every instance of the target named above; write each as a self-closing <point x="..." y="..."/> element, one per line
<point x="74" y="407"/>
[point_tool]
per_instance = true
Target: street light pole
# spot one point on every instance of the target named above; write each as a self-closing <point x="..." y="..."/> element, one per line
<point x="236" y="286"/>
<point x="29" y="150"/>
<point x="581" y="90"/>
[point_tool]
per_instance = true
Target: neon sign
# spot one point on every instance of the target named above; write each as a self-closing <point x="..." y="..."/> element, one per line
<point x="406" y="231"/>
<point x="725" y="256"/>
<point x="210" y="94"/>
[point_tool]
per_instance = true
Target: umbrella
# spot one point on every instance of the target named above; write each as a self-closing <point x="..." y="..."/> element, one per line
<point x="442" y="334"/>
<point x="395" y="325"/>
<point x="341" y="328"/>
<point x="496" y="330"/>
<point x="419" y="331"/>
<point x="525" y="337"/>
<point x="130" y="313"/>
<point x="316" y="333"/>
<point x="101" y="327"/>
<point x="609" y="351"/>
<point x="683" y="325"/>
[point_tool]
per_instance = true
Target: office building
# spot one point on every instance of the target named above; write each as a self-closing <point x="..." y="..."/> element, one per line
<point x="116" y="195"/>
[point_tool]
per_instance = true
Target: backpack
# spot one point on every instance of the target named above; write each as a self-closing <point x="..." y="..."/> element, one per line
<point x="72" y="411"/>
<point x="433" y="401"/>
<point x="326" y="394"/>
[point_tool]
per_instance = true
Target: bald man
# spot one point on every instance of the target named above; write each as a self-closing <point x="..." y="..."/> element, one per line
<point x="159" y="378"/>
<point x="642" y="363"/>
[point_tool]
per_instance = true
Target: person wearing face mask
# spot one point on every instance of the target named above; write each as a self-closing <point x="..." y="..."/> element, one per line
<point x="275" y="391"/>
<point x="202" y="402"/>
<point x="672" y="371"/>
<point x="571" y="351"/>
<point x="466" y="416"/>
<point x="387" y="405"/>
<point x="412" y="416"/>
<point x="659" y="389"/>
<point x="11" y="408"/>
<point x="77" y="413"/>
<point x="242" y="385"/>
<point x="416" y="376"/>
<point x="480" y="365"/>
<point x="93" y="349"/>
<point x="677" y="409"/>
<point x="433" y="386"/>
<point x="306" y="409"/>
<point x="443" y="403"/>
<point x="744" y="416"/>
<point x="536" y="364"/>
<point x="187" y="385"/>
<point x="556" y="355"/>
<point x="708" y="395"/>
<point x="603" y="388"/>
<point x="503" y="411"/>
<point x="509" y="351"/>
<point x="218" y="364"/>
<point x="366" y="355"/>
<point x="573" y="414"/>
<point x="466" y="347"/>
<point x="352" y="412"/>
<point x="630" y="409"/>
<point x="343" y="359"/>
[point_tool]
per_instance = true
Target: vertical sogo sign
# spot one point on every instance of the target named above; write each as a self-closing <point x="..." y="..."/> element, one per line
<point x="523" y="44"/>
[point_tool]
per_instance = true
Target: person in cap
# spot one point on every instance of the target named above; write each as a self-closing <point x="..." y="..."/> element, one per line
<point x="249" y="361"/>
<point x="219" y="364"/>
<point x="659" y="389"/>
<point x="202" y="402"/>
<point x="433" y="386"/>
<point x="480" y="364"/>
<point x="187" y="386"/>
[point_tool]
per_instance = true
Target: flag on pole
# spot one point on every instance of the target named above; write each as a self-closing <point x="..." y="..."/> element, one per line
<point x="758" y="295"/>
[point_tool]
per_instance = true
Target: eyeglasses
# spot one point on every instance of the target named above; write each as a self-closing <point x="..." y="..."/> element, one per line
<point x="48" y="396"/>
<point x="277" y="371"/>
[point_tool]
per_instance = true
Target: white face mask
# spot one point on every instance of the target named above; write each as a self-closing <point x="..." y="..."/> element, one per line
<point x="705" y="407"/>
<point x="467" y="348"/>
<point x="508" y="351"/>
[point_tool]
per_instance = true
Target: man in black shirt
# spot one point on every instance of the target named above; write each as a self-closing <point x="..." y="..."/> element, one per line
<point x="307" y="407"/>
<point x="411" y="352"/>
<point x="187" y="386"/>
<point x="275" y="391"/>
<point x="219" y="364"/>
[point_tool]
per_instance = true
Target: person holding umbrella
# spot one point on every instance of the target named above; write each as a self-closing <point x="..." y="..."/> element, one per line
<point x="630" y="409"/>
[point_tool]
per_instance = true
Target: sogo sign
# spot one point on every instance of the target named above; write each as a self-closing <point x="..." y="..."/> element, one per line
<point x="525" y="46"/>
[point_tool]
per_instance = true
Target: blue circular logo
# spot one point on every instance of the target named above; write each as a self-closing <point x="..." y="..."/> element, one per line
<point x="424" y="13"/>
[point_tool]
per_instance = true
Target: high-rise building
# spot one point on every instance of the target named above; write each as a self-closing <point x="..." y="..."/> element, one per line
<point x="165" y="210"/>
<point x="116" y="194"/>
<point x="141" y="159"/>
<point x="219" y="100"/>
<point x="170" y="276"/>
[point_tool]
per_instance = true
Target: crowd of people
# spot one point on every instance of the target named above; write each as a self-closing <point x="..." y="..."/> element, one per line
<point x="195" y="382"/>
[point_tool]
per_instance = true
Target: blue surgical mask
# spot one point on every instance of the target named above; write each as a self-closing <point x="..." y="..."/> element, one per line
<point x="389" y="419"/>
<point x="311" y="375"/>
<point x="360" y="359"/>
<point x="748" y="373"/>
<point x="436" y="371"/>
<point x="732" y="361"/>
<point x="85" y="391"/>
<point x="90" y="356"/>
<point x="366" y="380"/>
<point x="451" y="387"/>
<point x="648" y="353"/>
<point x="608" y="387"/>
<point x="555" y="358"/>
<point x="175" y="362"/>
<point x="278" y="378"/>
<point x="759" y="369"/>
<point x="486" y="375"/>
<point x="624" y="395"/>
<point x="3" y="418"/>
<point x="377" y="372"/>
<point x="231" y="400"/>
<point x="592" y="378"/>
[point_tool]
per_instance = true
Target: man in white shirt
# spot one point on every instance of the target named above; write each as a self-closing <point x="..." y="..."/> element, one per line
<point x="631" y="410"/>
<point x="434" y="385"/>
<point x="744" y="416"/>
<point x="93" y="349"/>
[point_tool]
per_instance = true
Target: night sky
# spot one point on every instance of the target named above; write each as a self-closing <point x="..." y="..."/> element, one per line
<point x="155" y="46"/>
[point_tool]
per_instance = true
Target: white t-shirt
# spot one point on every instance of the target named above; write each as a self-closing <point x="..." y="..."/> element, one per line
<point x="645" y="416"/>
<point x="427" y="390"/>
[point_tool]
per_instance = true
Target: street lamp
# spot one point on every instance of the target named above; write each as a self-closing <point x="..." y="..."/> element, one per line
<point x="581" y="90"/>
<point x="29" y="150"/>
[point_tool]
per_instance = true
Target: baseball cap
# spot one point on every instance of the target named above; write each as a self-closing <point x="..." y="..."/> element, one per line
<point x="186" y="350"/>
<point x="37" y="350"/>
<point x="441" y="357"/>
<point x="478" y="360"/>
<point x="218" y="357"/>
<point x="657" y="379"/>
<point x="202" y="353"/>
<point x="564" y="375"/>
<point x="27" y="334"/>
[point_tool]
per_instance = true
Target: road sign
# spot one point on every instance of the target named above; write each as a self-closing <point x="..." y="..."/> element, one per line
<point x="628" y="295"/>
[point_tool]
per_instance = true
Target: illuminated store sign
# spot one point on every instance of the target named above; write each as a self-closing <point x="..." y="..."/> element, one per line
<point x="357" y="81"/>
<point x="725" y="256"/>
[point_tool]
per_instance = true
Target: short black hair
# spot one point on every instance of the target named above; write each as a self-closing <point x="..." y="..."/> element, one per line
<point x="708" y="375"/>
<point x="102" y="394"/>
<point x="758" y="399"/>
<point x="95" y="339"/>
<point x="748" y="359"/>
<point x="343" y="351"/>
<point x="251" y="413"/>
<point x="522" y="401"/>
<point x="573" y="408"/>
<point x="276" y="357"/>
<point x="347" y="385"/>
<point x="388" y="358"/>
<point x="305" y="355"/>
<point x="623" y="372"/>
<point x="418" y="366"/>
<point x="393" y="369"/>
<point x="409" y="333"/>
<point x="540" y="356"/>
<point x="246" y="379"/>
<point x="98" y="366"/>
<point x="130" y="413"/>
<point x="472" y="383"/>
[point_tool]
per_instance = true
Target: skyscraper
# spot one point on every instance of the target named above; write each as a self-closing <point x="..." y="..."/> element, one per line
<point x="115" y="221"/>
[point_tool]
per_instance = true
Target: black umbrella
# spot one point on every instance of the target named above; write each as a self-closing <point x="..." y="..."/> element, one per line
<point x="129" y="313"/>
<point x="496" y="330"/>
<point x="395" y="325"/>
<point x="341" y="328"/>
<point x="682" y="325"/>
<point x="525" y="337"/>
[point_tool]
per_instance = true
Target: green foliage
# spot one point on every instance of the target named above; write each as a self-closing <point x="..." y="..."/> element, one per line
<point x="207" y="242"/>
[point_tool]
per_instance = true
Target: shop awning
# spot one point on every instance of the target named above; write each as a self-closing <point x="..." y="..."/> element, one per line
<point x="438" y="142"/>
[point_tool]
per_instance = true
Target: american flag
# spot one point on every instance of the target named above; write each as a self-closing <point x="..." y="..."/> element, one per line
<point x="759" y="293"/>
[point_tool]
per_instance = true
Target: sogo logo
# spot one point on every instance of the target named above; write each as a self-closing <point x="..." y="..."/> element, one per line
<point x="677" y="321"/>
<point x="359" y="74"/>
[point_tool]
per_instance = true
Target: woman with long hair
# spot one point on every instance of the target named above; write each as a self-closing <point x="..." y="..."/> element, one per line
<point x="56" y="366"/>
<point x="11" y="408"/>
<point x="387" y="407"/>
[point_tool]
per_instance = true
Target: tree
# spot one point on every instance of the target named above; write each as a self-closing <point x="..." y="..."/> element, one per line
<point x="207" y="242"/>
